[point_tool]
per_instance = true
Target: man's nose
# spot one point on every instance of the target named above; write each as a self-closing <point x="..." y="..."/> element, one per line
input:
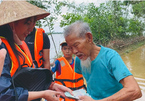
<point x="67" y="50"/>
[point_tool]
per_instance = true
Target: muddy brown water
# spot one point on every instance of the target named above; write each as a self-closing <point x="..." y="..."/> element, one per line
<point x="135" y="61"/>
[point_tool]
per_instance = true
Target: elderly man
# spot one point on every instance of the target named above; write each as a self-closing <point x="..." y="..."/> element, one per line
<point x="107" y="77"/>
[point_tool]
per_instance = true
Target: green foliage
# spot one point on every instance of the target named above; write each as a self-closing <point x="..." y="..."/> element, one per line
<point x="69" y="18"/>
<point x="139" y="9"/>
<point x="54" y="8"/>
<point x="135" y="27"/>
<point x="42" y="5"/>
<point x="108" y="21"/>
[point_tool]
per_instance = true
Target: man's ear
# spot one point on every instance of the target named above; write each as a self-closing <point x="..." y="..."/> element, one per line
<point x="89" y="37"/>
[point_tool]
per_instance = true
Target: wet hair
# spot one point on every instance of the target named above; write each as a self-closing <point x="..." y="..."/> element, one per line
<point x="78" y="27"/>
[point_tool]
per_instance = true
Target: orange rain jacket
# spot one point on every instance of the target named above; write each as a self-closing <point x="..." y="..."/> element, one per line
<point x="25" y="52"/>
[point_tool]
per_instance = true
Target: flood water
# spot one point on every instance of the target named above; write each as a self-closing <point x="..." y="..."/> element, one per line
<point x="135" y="61"/>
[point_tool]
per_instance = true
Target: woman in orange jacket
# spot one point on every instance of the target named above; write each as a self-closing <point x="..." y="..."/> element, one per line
<point x="16" y="22"/>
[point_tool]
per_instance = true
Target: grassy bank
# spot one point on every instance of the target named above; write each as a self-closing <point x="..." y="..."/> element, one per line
<point x="130" y="48"/>
<point x="123" y="46"/>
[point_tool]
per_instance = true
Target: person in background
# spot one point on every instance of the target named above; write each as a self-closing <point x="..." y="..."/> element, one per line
<point x="39" y="45"/>
<point x="106" y="75"/>
<point x="64" y="68"/>
<point x="17" y="21"/>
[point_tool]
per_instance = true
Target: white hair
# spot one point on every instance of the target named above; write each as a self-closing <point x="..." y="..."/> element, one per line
<point x="78" y="27"/>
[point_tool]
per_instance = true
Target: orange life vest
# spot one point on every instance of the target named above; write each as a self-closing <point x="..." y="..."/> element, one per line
<point x="25" y="52"/>
<point x="38" y="47"/>
<point x="68" y="77"/>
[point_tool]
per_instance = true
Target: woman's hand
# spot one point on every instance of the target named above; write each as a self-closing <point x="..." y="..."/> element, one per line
<point x="52" y="95"/>
<point x="61" y="89"/>
<point x="49" y="95"/>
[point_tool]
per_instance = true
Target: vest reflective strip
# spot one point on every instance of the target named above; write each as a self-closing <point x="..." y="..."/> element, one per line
<point x="25" y="54"/>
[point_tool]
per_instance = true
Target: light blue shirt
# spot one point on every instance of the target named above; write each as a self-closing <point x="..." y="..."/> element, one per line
<point x="106" y="71"/>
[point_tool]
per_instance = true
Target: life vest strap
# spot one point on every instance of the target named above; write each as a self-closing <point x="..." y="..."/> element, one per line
<point x="68" y="80"/>
<point x="73" y="81"/>
<point x="60" y="80"/>
<point x="42" y="66"/>
<point x="24" y="65"/>
<point x="41" y="59"/>
<point x="76" y="88"/>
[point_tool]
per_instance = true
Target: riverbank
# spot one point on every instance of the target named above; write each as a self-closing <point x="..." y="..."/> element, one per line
<point x="125" y="46"/>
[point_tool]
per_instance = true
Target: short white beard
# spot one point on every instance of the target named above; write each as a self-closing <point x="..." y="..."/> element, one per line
<point x="86" y="65"/>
